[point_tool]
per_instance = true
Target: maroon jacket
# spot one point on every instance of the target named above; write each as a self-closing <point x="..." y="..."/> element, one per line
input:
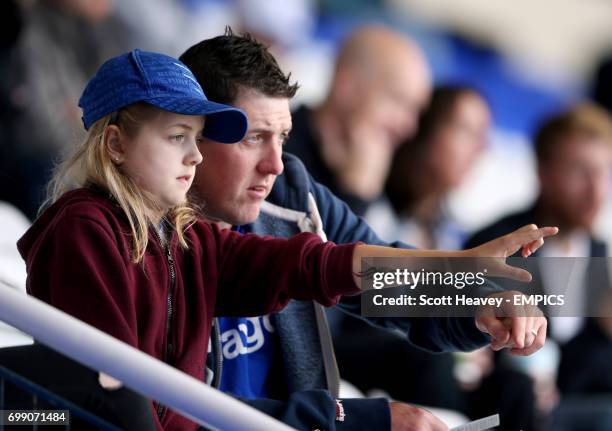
<point x="78" y="258"/>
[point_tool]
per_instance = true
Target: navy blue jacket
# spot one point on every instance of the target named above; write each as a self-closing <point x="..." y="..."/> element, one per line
<point x="516" y="220"/>
<point x="298" y="203"/>
<point x="597" y="277"/>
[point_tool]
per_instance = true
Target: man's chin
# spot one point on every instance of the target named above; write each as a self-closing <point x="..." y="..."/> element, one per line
<point x="247" y="216"/>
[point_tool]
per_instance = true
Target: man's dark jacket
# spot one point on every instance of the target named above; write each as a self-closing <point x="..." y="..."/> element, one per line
<point x="297" y="203"/>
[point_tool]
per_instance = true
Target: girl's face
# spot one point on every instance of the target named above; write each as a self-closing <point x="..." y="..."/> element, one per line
<point x="163" y="155"/>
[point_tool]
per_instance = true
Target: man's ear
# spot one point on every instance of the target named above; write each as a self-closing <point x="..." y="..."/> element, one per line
<point x="114" y="145"/>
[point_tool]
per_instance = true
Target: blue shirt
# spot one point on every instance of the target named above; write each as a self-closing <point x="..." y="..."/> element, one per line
<point x="250" y="348"/>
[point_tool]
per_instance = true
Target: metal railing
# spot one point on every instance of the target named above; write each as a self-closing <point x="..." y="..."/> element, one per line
<point x="135" y="369"/>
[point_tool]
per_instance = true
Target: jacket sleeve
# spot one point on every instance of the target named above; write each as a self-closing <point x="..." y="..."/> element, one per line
<point x="434" y="334"/>
<point x="259" y="275"/>
<point x="340" y="223"/>
<point x="316" y="409"/>
<point x="80" y="270"/>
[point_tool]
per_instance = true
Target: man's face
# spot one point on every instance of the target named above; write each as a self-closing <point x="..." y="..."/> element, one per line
<point x="575" y="182"/>
<point x="234" y="179"/>
<point x="403" y="98"/>
<point x="394" y="106"/>
<point x="390" y="103"/>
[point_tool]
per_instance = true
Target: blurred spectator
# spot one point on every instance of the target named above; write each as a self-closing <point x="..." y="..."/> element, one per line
<point x="62" y="43"/>
<point x="452" y="133"/>
<point x="574" y="156"/>
<point x="380" y="84"/>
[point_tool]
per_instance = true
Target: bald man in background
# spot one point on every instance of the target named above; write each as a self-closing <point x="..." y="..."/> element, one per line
<point x="380" y="85"/>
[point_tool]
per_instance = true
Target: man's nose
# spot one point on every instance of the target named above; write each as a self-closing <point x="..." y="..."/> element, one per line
<point x="272" y="163"/>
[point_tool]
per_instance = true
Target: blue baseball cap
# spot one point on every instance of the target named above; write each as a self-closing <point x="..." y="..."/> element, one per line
<point x="161" y="81"/>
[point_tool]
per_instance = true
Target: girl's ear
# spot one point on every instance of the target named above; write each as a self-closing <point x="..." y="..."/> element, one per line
<point x="114" y="145"/>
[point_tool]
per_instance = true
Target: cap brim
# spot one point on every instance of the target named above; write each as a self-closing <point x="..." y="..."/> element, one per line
<point x="223" y="124"/>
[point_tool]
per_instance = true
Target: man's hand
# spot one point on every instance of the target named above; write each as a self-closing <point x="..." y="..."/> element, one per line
<point x="360" y="158"/>
<point x="520" y="328"/>
<point x="405" y="417"/>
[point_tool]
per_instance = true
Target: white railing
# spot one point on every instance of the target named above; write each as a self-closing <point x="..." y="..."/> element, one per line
<point x="137" y="370"/>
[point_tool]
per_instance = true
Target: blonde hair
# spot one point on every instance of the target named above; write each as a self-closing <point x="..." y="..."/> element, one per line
<point x="90" y="164"/>
<point x="585" y="120"/>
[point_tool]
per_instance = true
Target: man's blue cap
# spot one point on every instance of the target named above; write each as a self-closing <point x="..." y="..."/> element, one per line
<point x="161" y="81"/>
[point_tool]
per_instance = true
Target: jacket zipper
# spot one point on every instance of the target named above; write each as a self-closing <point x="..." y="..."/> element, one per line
<point x="217" y="354"/>
<point x="170" y="311"/>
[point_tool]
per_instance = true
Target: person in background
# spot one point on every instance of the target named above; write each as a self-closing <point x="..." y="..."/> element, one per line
<point x="574" y="156"/>
<point x="380" y="84"/>
<point x="453" y="131"/>
<point x="62" y="43"/>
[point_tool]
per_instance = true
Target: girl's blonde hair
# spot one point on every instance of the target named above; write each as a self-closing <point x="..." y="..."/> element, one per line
<point x="90" y="164"/>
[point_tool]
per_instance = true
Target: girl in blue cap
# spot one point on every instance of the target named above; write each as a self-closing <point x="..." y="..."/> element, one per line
<point x="119" y="246"/>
